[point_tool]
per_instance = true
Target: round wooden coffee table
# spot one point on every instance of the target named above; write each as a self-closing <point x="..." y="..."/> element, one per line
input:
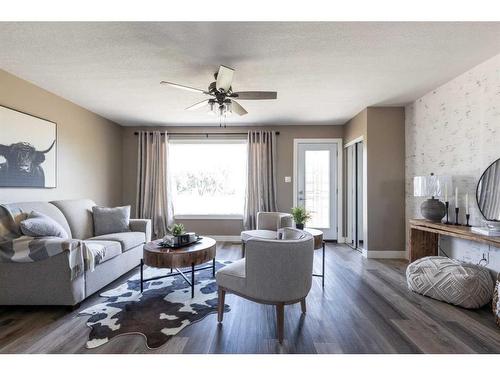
<point x="192" y="255"/>
<point x="319" y="243"/>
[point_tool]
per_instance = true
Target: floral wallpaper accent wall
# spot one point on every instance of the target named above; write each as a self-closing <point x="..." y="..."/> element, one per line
<point x="455" y="130"/>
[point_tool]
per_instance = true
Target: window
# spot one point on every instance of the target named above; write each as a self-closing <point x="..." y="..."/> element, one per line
<point x="208" y="177"/>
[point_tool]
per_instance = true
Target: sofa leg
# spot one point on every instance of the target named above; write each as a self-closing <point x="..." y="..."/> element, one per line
<point x="280" y="320"/>
<point x="220" y="307"/>
<point x="303" y="305"/>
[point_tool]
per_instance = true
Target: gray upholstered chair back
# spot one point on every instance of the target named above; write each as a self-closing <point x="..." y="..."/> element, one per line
<point x="279" y="270"/>
<point x="273" y="220"/>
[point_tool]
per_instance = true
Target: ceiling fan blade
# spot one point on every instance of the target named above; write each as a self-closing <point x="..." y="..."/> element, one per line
<point x="256" y="95"/>
<point x="237" y="108"/>
<point x="184" y="87"/>
<point x="198" y="105"/>
<point x="224" y="78"/>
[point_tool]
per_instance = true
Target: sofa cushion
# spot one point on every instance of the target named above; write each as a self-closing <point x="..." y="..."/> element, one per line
<point x="40" y="225"/>
<point x="78" y="213"/>
<point x="111" y="219"/>
<point x="128" y="240"/>
<point x="20" y="211"/>
<point x="449" y="280"/>
<point x="259" y="233"/>
<point x="105" y="250"/>
<point x="232" y="276"/>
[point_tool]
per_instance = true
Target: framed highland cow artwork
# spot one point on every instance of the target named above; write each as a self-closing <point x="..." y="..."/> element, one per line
<point x="28" y="150"/>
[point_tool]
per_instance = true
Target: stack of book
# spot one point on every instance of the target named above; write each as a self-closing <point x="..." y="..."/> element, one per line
<point x="485" y="231"/>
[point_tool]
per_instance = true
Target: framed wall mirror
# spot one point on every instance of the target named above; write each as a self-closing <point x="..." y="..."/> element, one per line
<point x="488" y="194"/>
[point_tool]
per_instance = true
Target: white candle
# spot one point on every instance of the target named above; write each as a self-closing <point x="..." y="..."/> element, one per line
<point x="446" y="192"/>
<point x="456" y="197"/>
<point x="466" y="203"/>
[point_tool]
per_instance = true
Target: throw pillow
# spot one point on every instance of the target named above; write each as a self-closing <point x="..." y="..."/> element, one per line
<point x="40" y="225"/>
<point x="109" y="220"/>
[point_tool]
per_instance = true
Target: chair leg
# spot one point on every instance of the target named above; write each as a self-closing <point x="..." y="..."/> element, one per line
<point x="303" y="305"/>
<point x="220" y="306"/>
<point x="280" y="320"/>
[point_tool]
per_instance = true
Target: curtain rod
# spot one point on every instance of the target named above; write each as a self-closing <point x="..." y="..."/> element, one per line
<point x="207" y="134"/>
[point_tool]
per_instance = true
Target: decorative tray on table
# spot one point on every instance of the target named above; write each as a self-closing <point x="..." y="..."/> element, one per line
<point x="168" y="245"/>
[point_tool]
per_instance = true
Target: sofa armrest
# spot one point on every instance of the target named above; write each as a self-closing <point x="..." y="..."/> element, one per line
<point x="141" y="225"/>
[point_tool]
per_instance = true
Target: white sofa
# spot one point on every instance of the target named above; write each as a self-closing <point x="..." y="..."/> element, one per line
<point x="48" y="281"/>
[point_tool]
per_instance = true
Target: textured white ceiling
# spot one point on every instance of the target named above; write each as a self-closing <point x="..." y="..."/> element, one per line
<point x="324" y="72"/>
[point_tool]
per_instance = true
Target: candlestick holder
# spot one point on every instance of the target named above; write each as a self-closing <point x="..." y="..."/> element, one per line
<point x="457" y="210"/>
<point x="467" y="217"/>
<point x="447" y="204"/>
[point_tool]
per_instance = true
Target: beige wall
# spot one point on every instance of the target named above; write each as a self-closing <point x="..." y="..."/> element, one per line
<point x="385" y="155"/>
<point x="356" y="127"/>
<point x="285" y="168"/>
<point x="89" y="146"/>
<point x="383" y="132"/>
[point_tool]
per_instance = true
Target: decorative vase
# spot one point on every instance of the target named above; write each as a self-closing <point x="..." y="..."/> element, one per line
<point x="433" y="210"/>
<point x="299" y="226"/>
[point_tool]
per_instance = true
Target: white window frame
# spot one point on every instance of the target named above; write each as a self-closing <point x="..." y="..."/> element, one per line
<point x="188" y="140"/>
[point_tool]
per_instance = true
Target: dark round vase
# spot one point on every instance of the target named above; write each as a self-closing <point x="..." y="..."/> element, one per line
<point x="299" y="226"/>
<point x="433" y="210"/>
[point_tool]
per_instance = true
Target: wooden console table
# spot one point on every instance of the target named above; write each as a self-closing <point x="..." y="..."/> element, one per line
<point x="424" y="237"/>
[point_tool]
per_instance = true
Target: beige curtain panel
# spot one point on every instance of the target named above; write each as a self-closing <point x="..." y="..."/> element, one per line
<point x="153" y="200"/>
<point x="261" y="176"/>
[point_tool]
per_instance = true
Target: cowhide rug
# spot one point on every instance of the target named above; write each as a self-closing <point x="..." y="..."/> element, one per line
<point x="161" y="311"/>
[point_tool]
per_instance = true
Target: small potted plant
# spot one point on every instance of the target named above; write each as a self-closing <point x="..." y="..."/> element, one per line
<point x="177" y="230"/>
<point x="179" y="233"/>
<point x="300" y="216"/>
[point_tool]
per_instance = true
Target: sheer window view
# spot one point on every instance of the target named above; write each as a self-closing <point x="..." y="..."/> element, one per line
<point x="317" y="187"/>
<point x="208" y="178"/>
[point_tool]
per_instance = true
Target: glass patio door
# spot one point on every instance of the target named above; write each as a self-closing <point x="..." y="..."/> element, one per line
<point x="317" y="185"/>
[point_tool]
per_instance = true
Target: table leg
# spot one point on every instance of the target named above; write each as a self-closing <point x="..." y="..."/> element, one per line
<point x="323" y="267"/>
<point x="422" y="244"/>
<point x="242" y="249"/>
<point x="142" y="272"/>
<point x="192" y="280"/>
<point x="213" y="267"/>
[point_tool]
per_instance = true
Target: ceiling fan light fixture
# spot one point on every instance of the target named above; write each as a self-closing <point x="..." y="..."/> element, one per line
<point x="222" y="101"/>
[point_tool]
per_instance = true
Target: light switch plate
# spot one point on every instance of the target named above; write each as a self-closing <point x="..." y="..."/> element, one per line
<point x="288" y="179"/>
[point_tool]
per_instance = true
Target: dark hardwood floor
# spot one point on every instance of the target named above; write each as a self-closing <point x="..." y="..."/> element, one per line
<point x="364" y="308"/>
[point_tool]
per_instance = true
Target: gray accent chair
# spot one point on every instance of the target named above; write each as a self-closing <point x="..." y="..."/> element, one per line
<point x="48" y="282"/>
<point x="274" y="272"/>
<point x="268" y="224"/>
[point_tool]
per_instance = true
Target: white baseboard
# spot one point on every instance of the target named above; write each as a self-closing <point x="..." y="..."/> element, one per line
<point x="389" y="254"/>
<point x="225" y="238"/>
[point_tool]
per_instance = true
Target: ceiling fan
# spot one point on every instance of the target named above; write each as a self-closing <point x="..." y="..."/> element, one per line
<point x="222" y="101"/>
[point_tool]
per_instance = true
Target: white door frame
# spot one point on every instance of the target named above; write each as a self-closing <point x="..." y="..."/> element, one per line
<point x="338" y="142"/>
<point x="365" y="192"/>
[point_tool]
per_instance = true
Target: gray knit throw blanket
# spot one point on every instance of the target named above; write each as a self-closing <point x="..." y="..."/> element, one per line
<point x="17" y="248"/>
